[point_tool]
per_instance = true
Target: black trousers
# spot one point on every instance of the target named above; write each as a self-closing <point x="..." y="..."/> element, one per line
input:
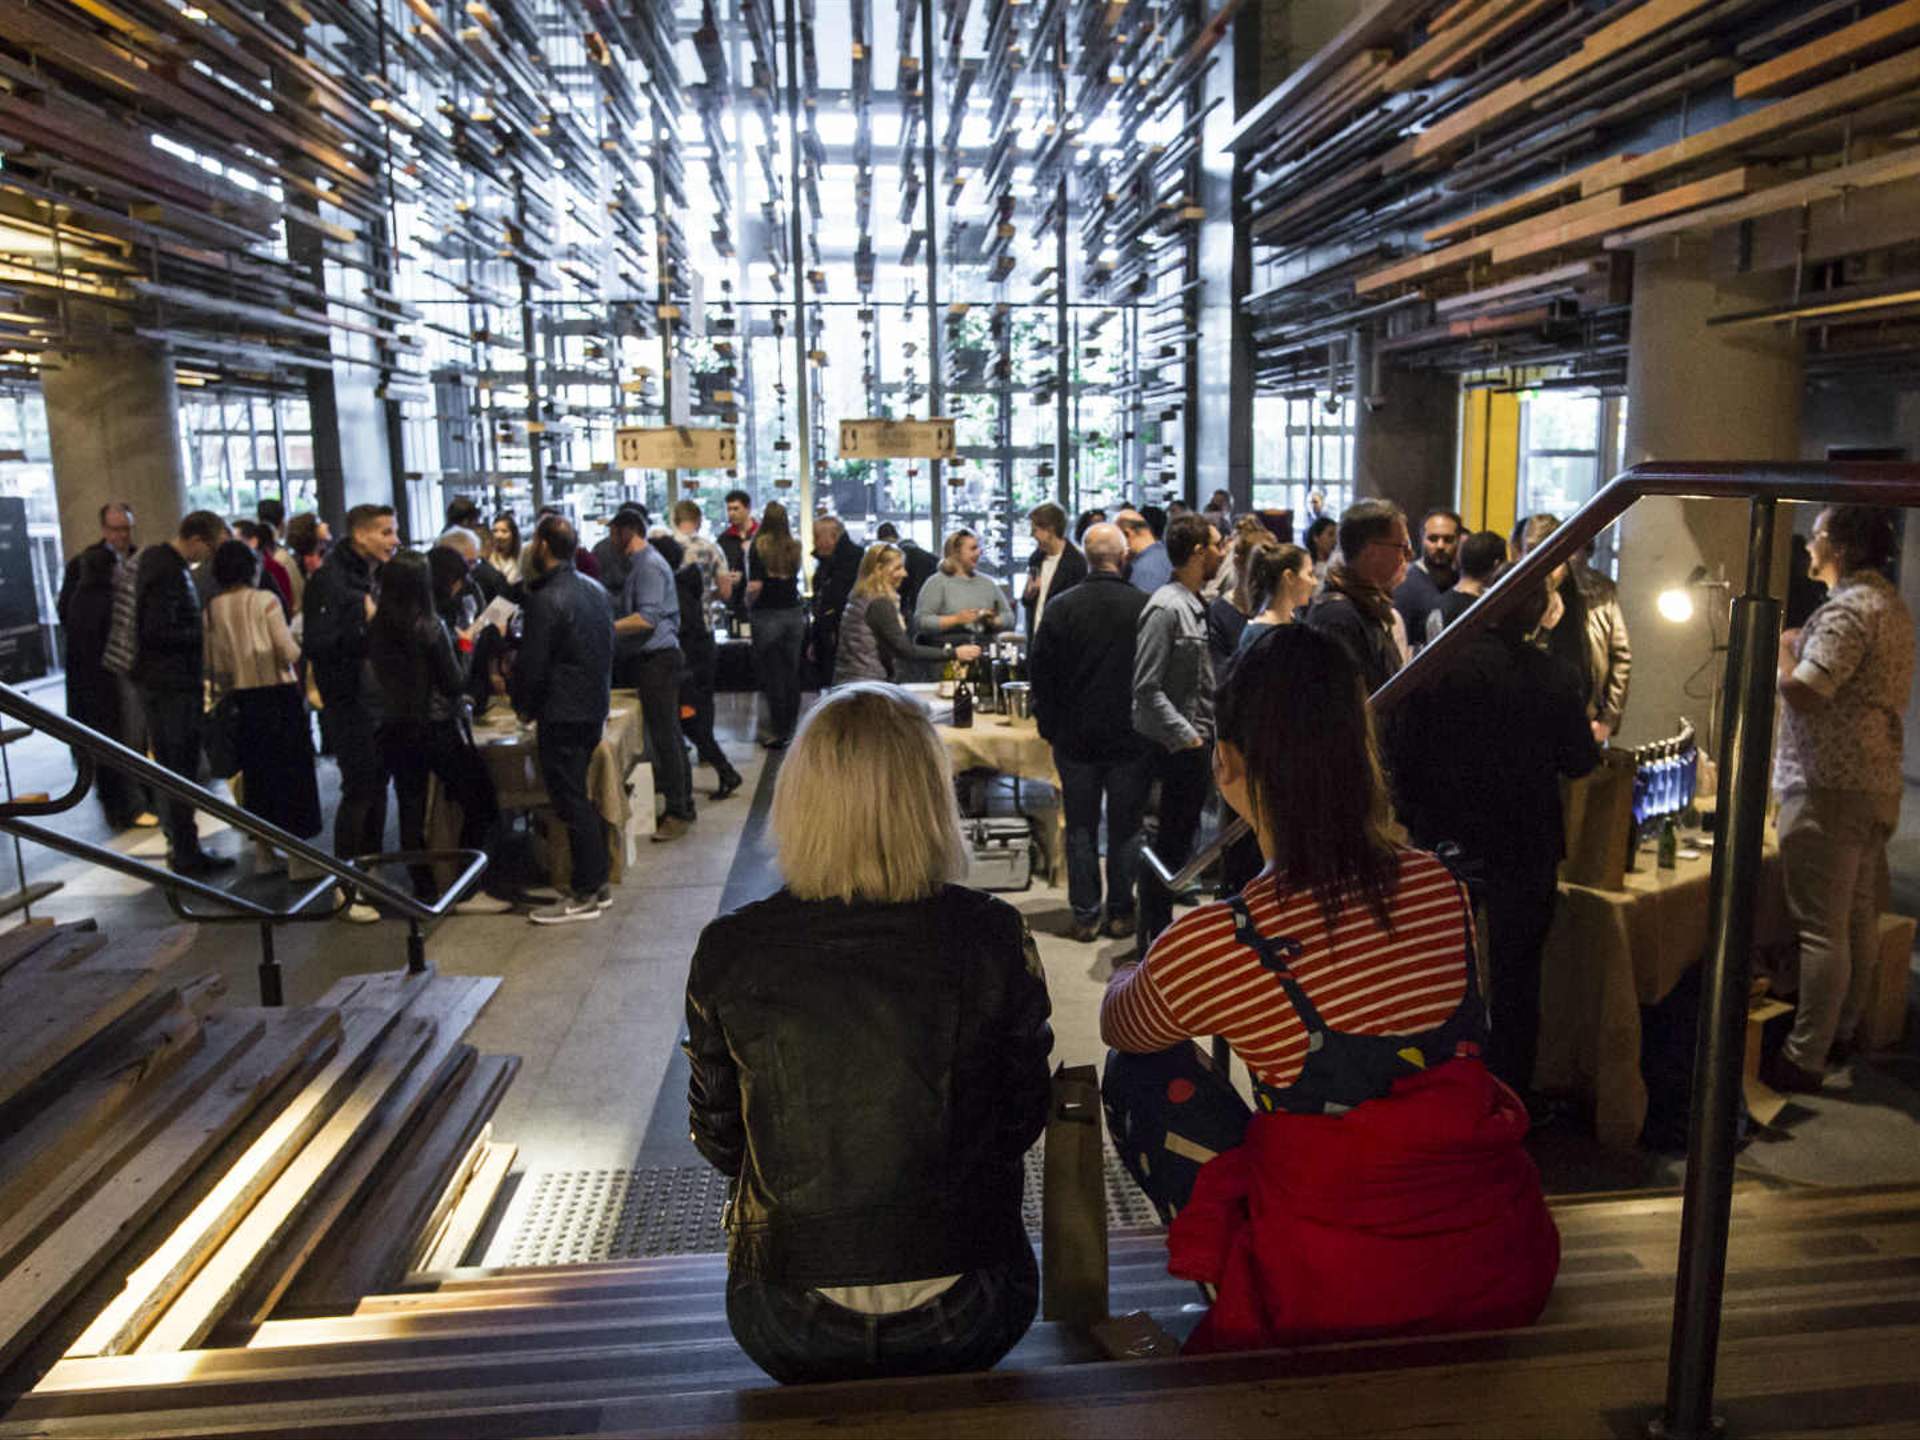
<point x="360" y="824"/>
<point x="656" y="676"/>
<point x="415" y="753"/>
<point x="565" y="752"/>
<point x="1123" y="784"/>
<point x="1519" y="898"/>
<point x="1185" y="778"/>
<point x="94" y="698"/>
<point x="174" y="724"/>
<point x="778" y="638"/>
<point x="696" y="694"/>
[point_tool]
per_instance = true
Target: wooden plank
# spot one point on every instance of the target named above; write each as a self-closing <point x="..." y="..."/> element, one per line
<point x="35" y="1289"/>
<point x="35" y="1157"/>
<point x="468" y="1217"/>
<point x="1831" y="53"/>
<point x="161" y="1277"/>
<point x="1573" y="274"/>
<point x="1723" y="186"/>
<point x="1825" y="185"/>
<point x="1464" y="251"/>
<point x="87" y="953"/>
<point x="209" y="1294"/>
<point x="1503" y="26"/>
<point x="22" y="940"/>
<point x="453" y="1003"/>
<point x="372" y="1252"/>
<point x="1897" y="76"/>
<point x="1641" y="23"/>
<point x="44" y="1020"/>
<point x="1538" y="197"/>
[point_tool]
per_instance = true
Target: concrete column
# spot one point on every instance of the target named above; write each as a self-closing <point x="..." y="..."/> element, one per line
<point x="113" y="424"/>
<point x="1406" y="444"/>
<point x="1696" y="392"/>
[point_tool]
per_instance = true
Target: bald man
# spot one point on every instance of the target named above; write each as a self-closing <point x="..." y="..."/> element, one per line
<point x="1082" y="673"/>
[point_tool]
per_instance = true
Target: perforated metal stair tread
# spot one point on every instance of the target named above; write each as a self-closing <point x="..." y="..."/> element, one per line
<point x="576" y="1217"/>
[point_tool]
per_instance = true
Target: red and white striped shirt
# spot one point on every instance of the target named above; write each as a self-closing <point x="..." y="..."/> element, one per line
<point x="1199" y="980"/>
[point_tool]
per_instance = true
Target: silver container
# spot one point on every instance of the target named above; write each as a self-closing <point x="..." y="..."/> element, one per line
<point x="1019" y="695"/>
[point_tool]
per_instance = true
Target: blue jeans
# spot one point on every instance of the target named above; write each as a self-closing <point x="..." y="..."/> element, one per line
<point x="1083" y="784"/>
<point x="798" y="1336"/>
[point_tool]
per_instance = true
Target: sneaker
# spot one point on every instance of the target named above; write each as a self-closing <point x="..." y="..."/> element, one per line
<point x="360" y="913"/>
<point x="481" y="903"/>
<point x="563" y="912"/>
<point x="729" y="783"/>
<point x="146" y="820"/>
<point x="1085" y="931"/>
<point x="671" y="827"/>
<point x="1120" y="926"/>
<point x="604" y="900"/>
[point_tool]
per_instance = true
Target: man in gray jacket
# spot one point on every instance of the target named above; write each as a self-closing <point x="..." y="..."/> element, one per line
<point x="1173" y="705"/>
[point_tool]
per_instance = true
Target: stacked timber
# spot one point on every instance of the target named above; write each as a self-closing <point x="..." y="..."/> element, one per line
<point x="1496" y="159"/>
<point x="1819" y="1327"/>
<point x="172" y="1168"/>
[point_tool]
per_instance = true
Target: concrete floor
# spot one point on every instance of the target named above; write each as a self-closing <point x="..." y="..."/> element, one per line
<point x="594" y="1010"/>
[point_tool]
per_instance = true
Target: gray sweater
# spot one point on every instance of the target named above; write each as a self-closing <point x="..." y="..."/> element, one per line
<point x="1172" y="670"/>
<point x="945" y="594"/>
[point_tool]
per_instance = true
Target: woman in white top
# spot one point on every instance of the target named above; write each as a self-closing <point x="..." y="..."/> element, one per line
<point x="504" y="553"/>
<point x="251" y="657"/>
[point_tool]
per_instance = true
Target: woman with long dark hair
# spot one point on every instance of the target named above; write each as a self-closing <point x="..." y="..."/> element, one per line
<point x="423" y="732"/>
<point x="503" y="549"/>
<point x="1381" y="1187"/>
<point x="251" y="656"/>
<point x="779" y="621"/>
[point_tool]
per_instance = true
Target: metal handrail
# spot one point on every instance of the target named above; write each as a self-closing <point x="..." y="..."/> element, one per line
<point x="1746" y="746"/>
<point x="92" y="749"/>
<point x="1860" y="483"/>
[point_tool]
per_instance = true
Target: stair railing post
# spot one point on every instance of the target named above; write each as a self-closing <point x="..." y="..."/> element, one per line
<point x="1746" y="747"/>
<point x="269" y="968"/>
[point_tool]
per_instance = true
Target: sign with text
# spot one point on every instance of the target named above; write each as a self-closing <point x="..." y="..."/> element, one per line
<point x="673" y="447"/>
<point x="896" y="439"/>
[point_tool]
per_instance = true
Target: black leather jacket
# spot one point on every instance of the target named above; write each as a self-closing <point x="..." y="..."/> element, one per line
<point x="870" y="1075"/>
<point x="421" y="678"/>
<point x="167" y="610"/>
<point x="565" y="666"/>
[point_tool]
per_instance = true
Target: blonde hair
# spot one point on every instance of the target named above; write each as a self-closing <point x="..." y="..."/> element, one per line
<point x="949" y="563"/>
<point x="863" y="808"/>
<point x="873" y="571"/>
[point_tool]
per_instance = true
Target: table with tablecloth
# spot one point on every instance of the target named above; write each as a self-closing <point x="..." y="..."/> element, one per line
<point x="512" y="758"/>
<point x="1610" y="952"/>
<point x="1012" y="747"/>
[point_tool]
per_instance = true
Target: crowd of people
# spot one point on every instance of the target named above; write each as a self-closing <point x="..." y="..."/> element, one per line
<point x="1177" y="661"/>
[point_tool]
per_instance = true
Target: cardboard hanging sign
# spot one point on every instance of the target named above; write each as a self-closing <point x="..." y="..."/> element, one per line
<point x="896" y="439"/>
<point x="673" y="447"/>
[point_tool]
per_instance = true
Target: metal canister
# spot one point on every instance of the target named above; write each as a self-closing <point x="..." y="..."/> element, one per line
<point x="1019" y="698"/>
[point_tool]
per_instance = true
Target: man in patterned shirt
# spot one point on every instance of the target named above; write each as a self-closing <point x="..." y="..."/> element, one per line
<point x="1844" y="679"/>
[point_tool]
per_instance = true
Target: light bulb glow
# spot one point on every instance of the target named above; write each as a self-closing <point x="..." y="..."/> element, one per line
<point x="1675" y="605"/>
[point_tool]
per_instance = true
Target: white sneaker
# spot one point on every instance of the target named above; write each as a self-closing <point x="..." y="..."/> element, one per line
<point x="481" y="903"/>
<point x="359" y="912"/>
<point x="564" y="912"/>
<point x="604" y="900"/>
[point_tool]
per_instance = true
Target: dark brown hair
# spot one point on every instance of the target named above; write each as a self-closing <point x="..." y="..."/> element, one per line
<point x="774" y="546"/>
<point x="1864" y="534"/>
<point x="1295" y="708"/>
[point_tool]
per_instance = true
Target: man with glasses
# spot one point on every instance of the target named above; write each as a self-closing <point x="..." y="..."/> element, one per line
<point x="1432" y="575"/>
<point x="1356" y="607"/>
<point x="95" y="694"/>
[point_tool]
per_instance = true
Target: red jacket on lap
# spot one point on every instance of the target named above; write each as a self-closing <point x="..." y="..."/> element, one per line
<point x="1418" y="1213"/>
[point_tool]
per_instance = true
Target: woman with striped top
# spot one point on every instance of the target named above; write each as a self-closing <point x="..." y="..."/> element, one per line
<point x="1380" y="1187"/>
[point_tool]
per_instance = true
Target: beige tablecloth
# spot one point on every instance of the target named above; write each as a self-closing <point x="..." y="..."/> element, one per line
<point x="513" y="761"/>
<point x="1012" y="747"/>
<point x="1611" y="952"/>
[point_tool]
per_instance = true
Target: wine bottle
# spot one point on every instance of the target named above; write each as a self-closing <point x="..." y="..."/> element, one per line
<point x="963" y="707"/>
